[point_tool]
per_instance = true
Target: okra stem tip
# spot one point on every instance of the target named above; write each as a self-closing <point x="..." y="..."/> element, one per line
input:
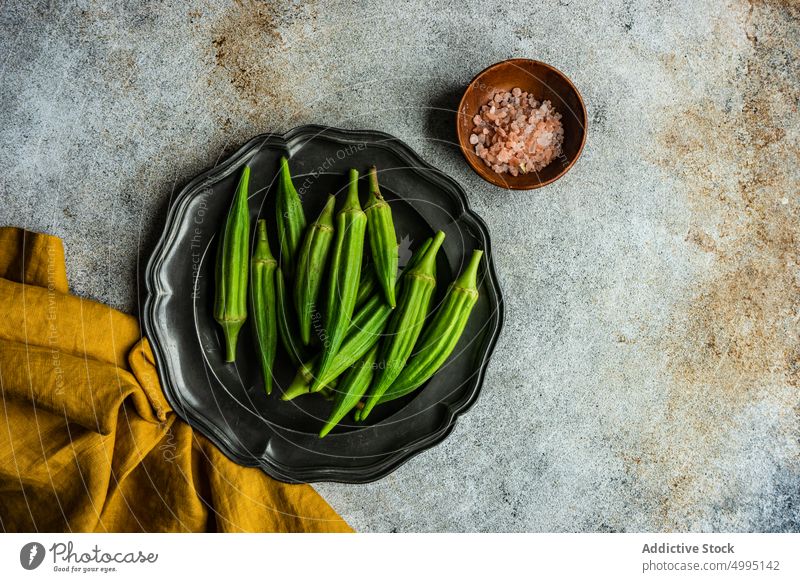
<point x="352" y="190"/>
<point x="261" y="229"/>
<point x="469" y="276"/>
<point x="231" y="329"/>
<point x="294" y="391"/>
<point x="245" y="174"/>
<point x="286" y="175"/>
<point x="428" y="260"/>
<point x="262" y="251"/>
<point x="374" y="190"/>
<point x="326" y="216"/>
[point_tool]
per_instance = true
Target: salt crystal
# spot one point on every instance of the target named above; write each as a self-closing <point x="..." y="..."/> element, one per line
<point x="515" y="133"/>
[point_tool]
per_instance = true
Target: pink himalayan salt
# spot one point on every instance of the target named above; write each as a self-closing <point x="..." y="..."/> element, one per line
<point x="515" y="133"/>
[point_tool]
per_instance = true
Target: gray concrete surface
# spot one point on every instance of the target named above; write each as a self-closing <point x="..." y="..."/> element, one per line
<point x="647" y="377"/>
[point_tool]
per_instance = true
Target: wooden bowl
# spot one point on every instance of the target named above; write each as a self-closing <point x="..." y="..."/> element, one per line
<point x="546" y="83"/>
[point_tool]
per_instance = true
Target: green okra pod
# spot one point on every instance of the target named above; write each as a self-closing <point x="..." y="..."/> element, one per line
<point x="441" y="336"/>
<point x="230" y="275"/>
<point x="300" y="386"/>
<point x="351" y="389"/>
<point x="312" y="259"/>
<point x="365" y="331"/>
<point x="405" y="324"/>
<point x="345" y="271"/>
<point x="290" y="219"/>
<point x="263" y="302"/>
<point x="286" y="319"/>
<point x="382" y="237"/>
<point x="416" y="257"/>
<point x="367" y="284"/>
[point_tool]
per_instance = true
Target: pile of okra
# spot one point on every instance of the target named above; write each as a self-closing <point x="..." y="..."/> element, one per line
<point x="374" y="336"/>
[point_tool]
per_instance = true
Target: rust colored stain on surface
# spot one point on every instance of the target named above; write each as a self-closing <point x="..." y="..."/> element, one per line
<point x="742" y="320"/>
<point x="646" y="378"/>
<point x="241" y="43"/>
<point x="734" y="343"/>
<point x="251" y="45"/>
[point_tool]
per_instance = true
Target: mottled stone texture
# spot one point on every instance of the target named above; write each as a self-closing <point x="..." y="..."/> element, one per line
<point x="647" y="376"/>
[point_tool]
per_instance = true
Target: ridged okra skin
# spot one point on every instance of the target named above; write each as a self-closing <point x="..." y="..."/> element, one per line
<point x="289" y="218"/>
<point x="441" y="336"/>
<point x="351" y="389"/>
<point x="287" y="329"/>
<point x="405" y="324"/>
<point x="364" y="333"/>
<point x="231" y="269"/>
<point x="313" y="259"/>
<point x="382" y="238"/>
<point x="344" y="276"/>
<point x="367" y="284"/>
<point x="263" y="303"/>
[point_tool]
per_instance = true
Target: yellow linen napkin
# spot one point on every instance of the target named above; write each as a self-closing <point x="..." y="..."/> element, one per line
<point x="88" y="441"/>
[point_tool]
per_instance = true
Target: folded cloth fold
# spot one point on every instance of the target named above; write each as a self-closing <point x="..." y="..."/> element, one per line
<point x="88" y="442"/>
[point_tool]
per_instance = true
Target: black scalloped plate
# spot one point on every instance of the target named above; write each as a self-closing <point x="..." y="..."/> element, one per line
<point x="226" y="402"/>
